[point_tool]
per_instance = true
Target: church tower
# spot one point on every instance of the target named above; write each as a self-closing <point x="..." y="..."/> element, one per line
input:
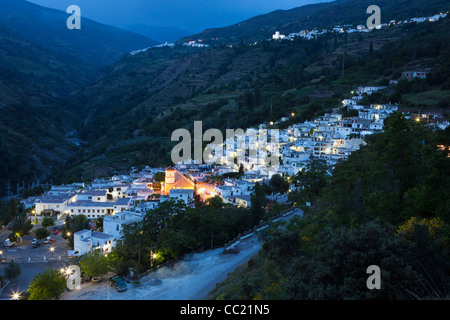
<point x="170" y="176"/>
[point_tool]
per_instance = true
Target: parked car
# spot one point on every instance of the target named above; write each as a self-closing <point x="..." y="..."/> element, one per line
<point x="36" y="245"/>
<point x="118" y="284"/>
<point x="34" y="241"/>
<point x="49" y="240"/>
<point x="56" y="231"/>
<point x="8" y="243"/>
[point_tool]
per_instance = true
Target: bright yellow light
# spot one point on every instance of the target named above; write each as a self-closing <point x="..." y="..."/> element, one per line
<point x="292" y="114"/>
<point x="417" y="119"/>
<point x="154" y="256"/>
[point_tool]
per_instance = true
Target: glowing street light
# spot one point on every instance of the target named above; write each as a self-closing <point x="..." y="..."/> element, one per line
<point x="15" y="296"/>
<point x="153" y="256"/>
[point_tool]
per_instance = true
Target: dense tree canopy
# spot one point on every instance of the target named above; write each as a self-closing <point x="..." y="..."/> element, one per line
<point x="174" y="229"/>
<point x="48" y="285"/>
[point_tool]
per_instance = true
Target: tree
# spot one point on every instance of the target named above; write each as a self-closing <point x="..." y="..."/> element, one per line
<point x="94" y="264"/>
<point x="8" y="210"/>
<point x="279" y="184"/>
<point x="241" y="169"/>
<point x="434" y="225"/>
<point x="41" y="233"/>
<point x="159" y="176"/>
<point x="338" y="270"/>
<point x="13" y="270"/>
<point x="258" y="201"/>
<point x="21" y="225"/>
<point x="48" y="222"/>
<point x="48" y="285"/>
<point x="310" y="181"/>
<point x="99" y="223"/>
<point x="216" y="202"/>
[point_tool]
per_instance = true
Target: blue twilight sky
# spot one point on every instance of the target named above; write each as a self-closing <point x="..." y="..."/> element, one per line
<point x="191" y="15"/>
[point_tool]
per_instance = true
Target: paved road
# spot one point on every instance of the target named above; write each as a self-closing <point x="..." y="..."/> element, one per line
<point x="191" y="278"/>
<point x="23" y="281"/>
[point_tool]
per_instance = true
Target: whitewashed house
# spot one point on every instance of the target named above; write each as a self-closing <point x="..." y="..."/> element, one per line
<point x="185" y="195"/>
<point x="86" y="241"/>
<point x="113" y="224"/>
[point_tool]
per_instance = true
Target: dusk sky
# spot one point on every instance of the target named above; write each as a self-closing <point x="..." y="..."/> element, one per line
<point x="191" y="15"/>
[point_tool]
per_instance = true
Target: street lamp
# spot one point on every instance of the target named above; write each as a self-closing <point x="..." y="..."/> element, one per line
<point x="15" y="296"/>
<point x="1" y="256"/>
<point x="52" y="249"/>
<point x="152" y="257"/>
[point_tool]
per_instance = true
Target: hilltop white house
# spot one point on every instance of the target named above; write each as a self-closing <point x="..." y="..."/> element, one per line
<point x="86" y="241"/>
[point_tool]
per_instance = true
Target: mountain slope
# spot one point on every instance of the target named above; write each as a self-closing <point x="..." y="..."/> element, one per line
<point x="41" y="63"/>
<point x="94" y="44"/>
<point x="160" y="34"/>
<point x="319" y="15"/>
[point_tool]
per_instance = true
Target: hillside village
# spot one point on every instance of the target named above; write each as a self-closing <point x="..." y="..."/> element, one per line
<point x="314" y="33"/>
<point x="307" y="34"/>
<point x="125" y="199"/>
